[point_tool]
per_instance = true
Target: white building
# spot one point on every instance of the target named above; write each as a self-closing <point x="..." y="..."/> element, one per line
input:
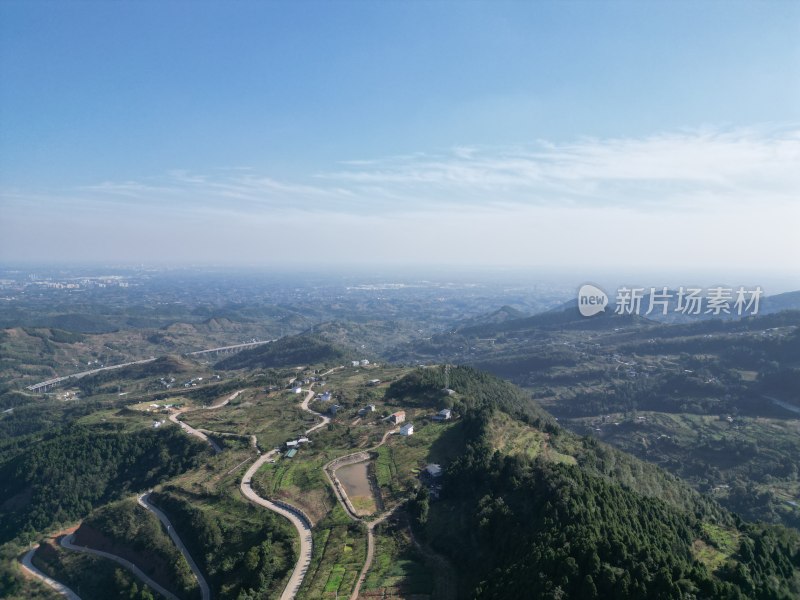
<point x="407" y="429"/>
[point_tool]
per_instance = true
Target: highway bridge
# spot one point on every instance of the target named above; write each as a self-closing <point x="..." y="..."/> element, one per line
<point x="229" y="349"/>
<point x="43" y="386"/>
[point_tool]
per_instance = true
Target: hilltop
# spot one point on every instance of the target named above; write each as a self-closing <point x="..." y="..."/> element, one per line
<point x="562" y="516"/>
<point x="289" y="351"/>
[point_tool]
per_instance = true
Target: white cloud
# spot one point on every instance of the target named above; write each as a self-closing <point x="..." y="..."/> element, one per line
<point x="667" y="170"/>
<point x="708" y="198"/>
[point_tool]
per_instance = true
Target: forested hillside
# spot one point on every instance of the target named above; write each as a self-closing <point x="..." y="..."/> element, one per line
<point x="606" y="526"/>
<point x="285" y="352"/>
<point x="63" y="477"/>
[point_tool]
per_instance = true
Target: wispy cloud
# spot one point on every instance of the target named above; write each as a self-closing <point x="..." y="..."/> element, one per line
<point x="668" y="170"/>
<point x="709" y="199"/>
<point x="702" y="169"/>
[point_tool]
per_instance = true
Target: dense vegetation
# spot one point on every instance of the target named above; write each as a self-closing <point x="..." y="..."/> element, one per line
<point x="63" y="477"/>
<point x="286" y="352"/>
<point x="91" y="577"/>
<point x="134" y="533"/>
<point x="476" y="390"/>
<point x="244" y="551"/>
<point x="517" y="527"/>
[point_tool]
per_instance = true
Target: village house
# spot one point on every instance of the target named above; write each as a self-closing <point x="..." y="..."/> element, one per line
<point x="369" y="408"/>
<point x="407" y="429"/>
<point x="443" y="415"/>
<point x="397" y="417"/>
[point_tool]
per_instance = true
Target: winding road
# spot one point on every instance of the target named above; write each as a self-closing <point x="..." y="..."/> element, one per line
<point x="300" y="521"/>
<point x="68" y="542"/>
<point x="199" y="434"/>
<point x="205" y="591"/>
<point x="27" y="566"/>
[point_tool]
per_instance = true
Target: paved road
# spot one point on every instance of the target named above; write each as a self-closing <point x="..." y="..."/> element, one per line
<point x="784" y="404"/>
<point x="304" y="406"/>
<point x="199" y="434"/>
<point x="297" y="518"/>
<point x="45" y="384"/>
<point x="27" y="566"/>
<point x="339" y="492"/>
<point x="55" y="380"/>
<point x="234" y="347"/>
<point x="300" y="523"/>
<point x="205" y="591"/>
<point x="192" y="431"/>
<point x="68" y="542"/>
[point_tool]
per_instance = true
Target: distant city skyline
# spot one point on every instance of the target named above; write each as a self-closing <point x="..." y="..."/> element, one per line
<point x="617" y="135"/>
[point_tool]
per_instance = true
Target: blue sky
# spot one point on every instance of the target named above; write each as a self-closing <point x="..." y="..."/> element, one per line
<point x="565" y="125"/>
